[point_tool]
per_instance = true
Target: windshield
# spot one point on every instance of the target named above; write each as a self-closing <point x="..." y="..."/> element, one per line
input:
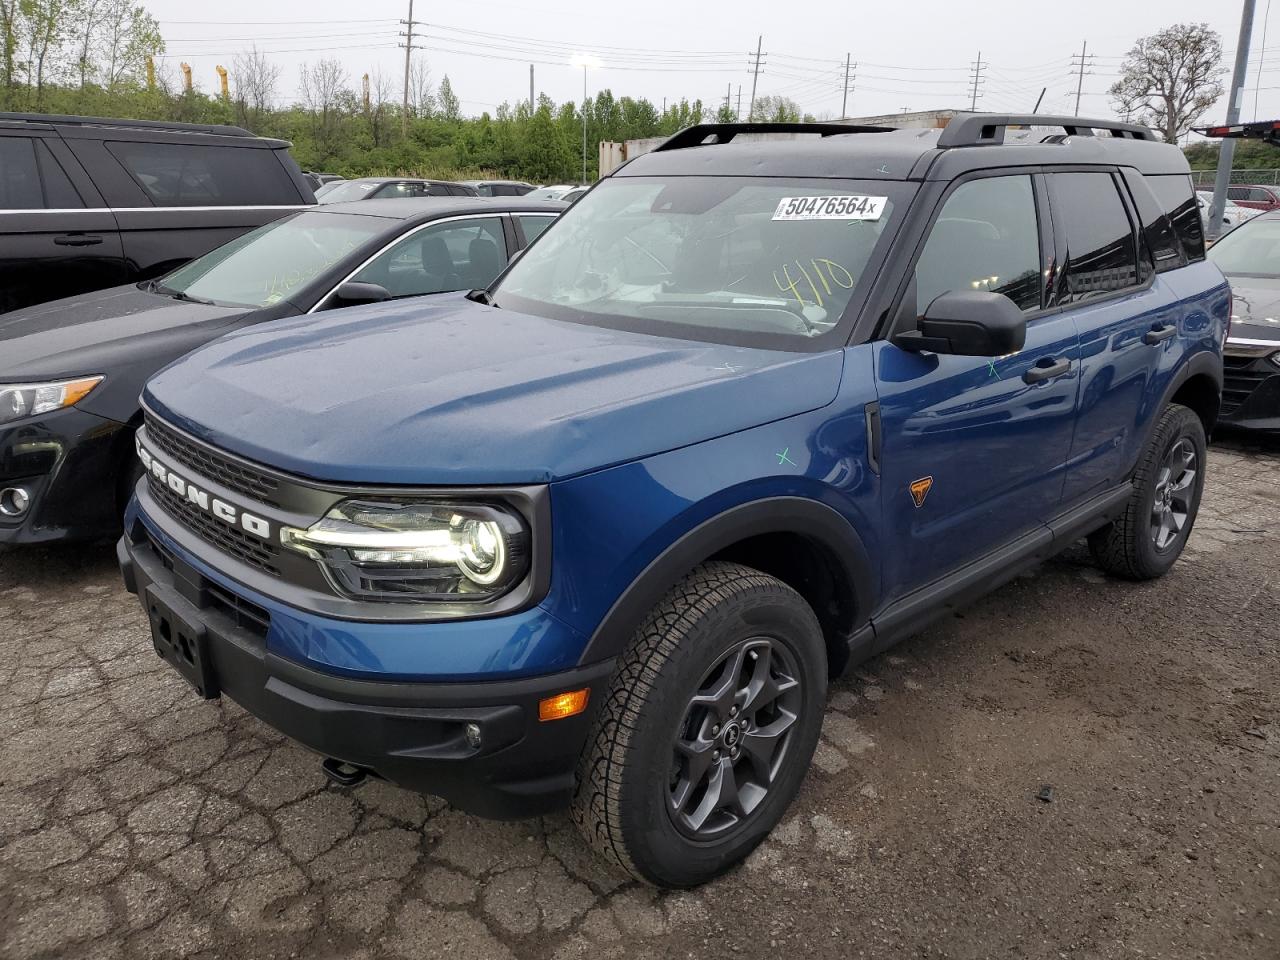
<point x="737" y="259"/>
<point x="268" y="264"/>
<point x="547" y="193"/>
<point x="1253" y="250"/>
<point x="350" y="190"/>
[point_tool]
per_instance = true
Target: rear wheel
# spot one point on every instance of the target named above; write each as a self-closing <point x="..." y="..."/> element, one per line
<point x="708" y="729"/>
<point x="1146" y="540"/>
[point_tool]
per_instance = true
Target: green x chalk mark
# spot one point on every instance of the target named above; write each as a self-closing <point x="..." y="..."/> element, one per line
<point x="783" y="458"/>
<point x="991" y="368"/>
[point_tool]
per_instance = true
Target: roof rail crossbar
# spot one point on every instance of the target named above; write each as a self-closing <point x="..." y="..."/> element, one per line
<point x="976" y="129"/>
<point x="715" y="133"/>
<point x="58" y="119"/>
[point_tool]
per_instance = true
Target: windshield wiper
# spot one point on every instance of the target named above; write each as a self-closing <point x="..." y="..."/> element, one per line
<point x="178" y="294"/>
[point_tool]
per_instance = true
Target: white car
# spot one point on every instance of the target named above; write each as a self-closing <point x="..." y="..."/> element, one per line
<point x="1232" y="213"/>
<point x="553" y="192"/>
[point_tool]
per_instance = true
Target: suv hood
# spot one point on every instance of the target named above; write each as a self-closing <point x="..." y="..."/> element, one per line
<point x="89" y="334"/>
<point x="1255" y="308"/>
<point x="446" y="391"/>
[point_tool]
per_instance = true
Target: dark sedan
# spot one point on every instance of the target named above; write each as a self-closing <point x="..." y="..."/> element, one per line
<point x="1250" y="258"/>
<point x="71" y="370"/>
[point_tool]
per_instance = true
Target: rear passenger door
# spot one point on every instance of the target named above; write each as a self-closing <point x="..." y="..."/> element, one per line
<point x="983" y="441"/>
<point x="176" y="198"/>
<point x="1127" y="322"/>
<point x="55" y="241"/>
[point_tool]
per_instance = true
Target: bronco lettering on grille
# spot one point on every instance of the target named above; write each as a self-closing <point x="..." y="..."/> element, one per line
<point x="226" y="512"/>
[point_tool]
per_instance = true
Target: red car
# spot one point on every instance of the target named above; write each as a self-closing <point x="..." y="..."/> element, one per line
<point x="1256" y="196"/>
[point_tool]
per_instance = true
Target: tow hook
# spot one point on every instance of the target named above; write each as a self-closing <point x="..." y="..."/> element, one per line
<point x="344" y="774"/>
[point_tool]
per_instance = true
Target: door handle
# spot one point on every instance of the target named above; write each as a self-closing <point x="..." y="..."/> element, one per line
<point x="77" y="240"/>
<point x="1159" y="334"/>
<point x="1039" y="374"/>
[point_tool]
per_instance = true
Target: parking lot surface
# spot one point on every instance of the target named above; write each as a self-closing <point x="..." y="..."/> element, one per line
<point x="1074" y="767"/>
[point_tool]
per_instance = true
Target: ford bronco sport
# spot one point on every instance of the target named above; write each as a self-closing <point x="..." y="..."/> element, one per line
<point x="749" y="413"/>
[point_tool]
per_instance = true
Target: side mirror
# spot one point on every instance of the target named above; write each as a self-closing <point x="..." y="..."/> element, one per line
<point x="968" y="323"/>
<point x="353" y="293"/>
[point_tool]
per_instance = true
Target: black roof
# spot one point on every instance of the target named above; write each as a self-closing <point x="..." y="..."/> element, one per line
<point x="429" y="208"/>
<point x="971" y="141"/>
<point x="60" y="120"/>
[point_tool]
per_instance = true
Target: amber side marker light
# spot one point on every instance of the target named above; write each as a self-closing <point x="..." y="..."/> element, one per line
<point x="563" y="704"/>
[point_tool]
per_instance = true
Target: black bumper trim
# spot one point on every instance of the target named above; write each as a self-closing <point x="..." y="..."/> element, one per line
<point x="412" y="734"/>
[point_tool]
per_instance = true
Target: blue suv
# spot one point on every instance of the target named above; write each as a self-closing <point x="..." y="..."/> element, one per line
<point x="749" y="413"/>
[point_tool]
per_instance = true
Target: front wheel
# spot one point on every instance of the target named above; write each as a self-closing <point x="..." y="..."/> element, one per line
<point x="1146" y="540"/>
<point x="708" y="729"/>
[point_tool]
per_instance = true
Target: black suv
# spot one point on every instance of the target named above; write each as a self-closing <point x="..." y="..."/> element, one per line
<point x="87" y="203"/>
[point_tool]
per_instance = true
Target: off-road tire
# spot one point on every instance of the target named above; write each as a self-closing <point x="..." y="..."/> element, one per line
<point x="622" y="799"/>
<point x="1126" y="547"/>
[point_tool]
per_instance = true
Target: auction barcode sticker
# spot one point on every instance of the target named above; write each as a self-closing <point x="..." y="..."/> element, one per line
<point x="830" y="208"/>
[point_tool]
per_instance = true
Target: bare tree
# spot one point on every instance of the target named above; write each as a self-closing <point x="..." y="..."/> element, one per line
<point x="1169" y="79"/>
<point x="89" y="15"/>
<point x="256" y="79"/>
<point x="129" y="36"/>
<point x="422" y="98"/>
<point x="325" y="89"/>
<point x="10" y="40"/>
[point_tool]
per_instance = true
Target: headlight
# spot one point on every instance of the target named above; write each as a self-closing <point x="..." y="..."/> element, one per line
<point x="384" y="550"/>
<point x="18" y="400"/>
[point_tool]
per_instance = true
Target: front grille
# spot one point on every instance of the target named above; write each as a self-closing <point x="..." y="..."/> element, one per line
<point x="235" y="476"/>
<point x="1239" y="381"/>
<point x="246" y="615"/>
<point x="243" y="546"/>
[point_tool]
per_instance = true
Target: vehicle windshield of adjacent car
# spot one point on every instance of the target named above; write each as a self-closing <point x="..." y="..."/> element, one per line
<point x="266" y="265"/>
<point x="1252" y="251"/>
<point x="743" y="260"/>
<point x="348" y="191"/>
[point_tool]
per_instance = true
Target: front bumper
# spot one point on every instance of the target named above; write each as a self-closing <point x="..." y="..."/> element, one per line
<point x="1251" y="389"/>
<point x="68" y="461"/>
<point x="410" y="733"/>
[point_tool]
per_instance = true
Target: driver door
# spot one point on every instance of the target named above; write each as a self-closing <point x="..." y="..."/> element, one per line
<point x="974" y="454"/>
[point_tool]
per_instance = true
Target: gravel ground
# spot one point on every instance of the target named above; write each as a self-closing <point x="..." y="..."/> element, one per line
<point x="137" y="821"/>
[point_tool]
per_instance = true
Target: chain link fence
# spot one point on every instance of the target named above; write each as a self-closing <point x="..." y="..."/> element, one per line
<point x="1205" y="178"/>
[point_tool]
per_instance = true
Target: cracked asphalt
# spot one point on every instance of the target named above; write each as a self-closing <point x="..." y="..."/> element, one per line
<point x="138" y="821"/>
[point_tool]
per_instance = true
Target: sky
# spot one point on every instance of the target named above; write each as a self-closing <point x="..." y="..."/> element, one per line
<point x="908" y="55"/>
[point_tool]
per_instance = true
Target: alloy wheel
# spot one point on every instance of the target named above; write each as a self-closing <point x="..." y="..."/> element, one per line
<point x="1175" y="486"/>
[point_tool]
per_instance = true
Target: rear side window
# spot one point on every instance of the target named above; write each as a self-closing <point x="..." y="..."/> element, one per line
<point x="193" y="175"/>
<point x="1160" y="240"/>
<point x="1178" y="201"/>
<point x="987" y="237"/>
<point x="1240" y="193"/>
<point x="31" y="179"/>
<point x="1102" y="256"/>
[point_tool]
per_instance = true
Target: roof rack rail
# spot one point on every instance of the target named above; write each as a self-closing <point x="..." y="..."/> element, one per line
<point x="976" y="129"/>
<point x="1267" y="131"/>
<point x="701" y="133"/>
<point x="54" y="118"/>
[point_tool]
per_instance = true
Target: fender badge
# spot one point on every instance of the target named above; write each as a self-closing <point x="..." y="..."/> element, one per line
<point x="920" y="489"/>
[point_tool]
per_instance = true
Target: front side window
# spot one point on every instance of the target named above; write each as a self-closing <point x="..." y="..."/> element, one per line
<point x="186" y="175"/>
<point x="987" y="237"/>
<point x="1102" y="255"/>
<point x="456" y="255"/>
<point x="274" y="262"/>
<point x="769" y="262"/>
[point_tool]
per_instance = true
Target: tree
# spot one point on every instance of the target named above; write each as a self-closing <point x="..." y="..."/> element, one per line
<point x="447" y="101"/>
<point x="255" y="78"/>
<point x="776" y="109"/>
<point x="421" y="94"/>
<point x="129" y="36"/>
<point x="1169" y="79"/>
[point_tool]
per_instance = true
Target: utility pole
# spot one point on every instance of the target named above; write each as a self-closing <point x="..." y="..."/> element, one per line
<point x="728" y="96"/>
<point x="408" y="55"/>
<point x="844" y="104"/>
<point x="755" y="76"/>
<point x="976" y="80"/>
<point x="739" y="113"/>
<point x="1084" y="59"/>
<point x="531" y="89"/>
<point x="1227" y="151"/>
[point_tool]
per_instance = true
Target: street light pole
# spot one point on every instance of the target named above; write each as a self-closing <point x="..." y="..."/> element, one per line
<point x="1227" y="149"/>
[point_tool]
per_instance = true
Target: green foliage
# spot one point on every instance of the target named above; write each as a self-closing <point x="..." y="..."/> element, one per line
<point x="1249" y="155"/>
